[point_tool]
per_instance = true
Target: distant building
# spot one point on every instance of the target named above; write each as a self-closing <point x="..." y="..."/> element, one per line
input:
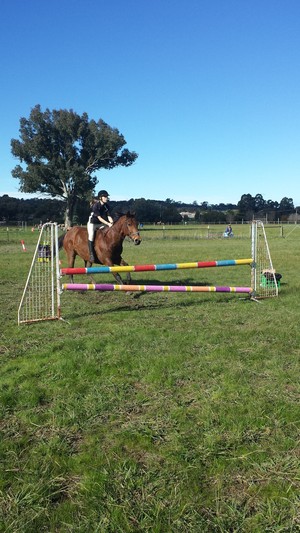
<point x="187" y="214"/>
<point x="294" y="217"/>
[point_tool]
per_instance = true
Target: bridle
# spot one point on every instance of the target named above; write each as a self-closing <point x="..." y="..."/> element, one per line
<point x="132" y="234"/>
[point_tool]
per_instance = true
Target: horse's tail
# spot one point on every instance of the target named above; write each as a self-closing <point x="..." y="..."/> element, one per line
<point x="61" y="240"/>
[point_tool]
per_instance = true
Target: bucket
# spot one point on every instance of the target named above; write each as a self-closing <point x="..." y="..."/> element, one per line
<point x="267" y="280"/>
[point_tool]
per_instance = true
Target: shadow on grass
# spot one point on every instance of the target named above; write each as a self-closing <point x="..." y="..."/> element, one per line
<point x="109" y="302"/>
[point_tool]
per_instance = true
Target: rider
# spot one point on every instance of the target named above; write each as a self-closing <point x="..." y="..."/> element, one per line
<point x="99" y="218"/>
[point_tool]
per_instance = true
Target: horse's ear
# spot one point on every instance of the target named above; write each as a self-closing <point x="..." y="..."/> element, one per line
<point x="130" y="214"/>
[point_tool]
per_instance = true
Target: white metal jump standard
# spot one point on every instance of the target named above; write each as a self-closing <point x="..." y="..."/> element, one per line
<point x="41" y="296"/>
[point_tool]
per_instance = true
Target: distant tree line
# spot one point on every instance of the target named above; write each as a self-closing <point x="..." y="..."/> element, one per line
<point x="35" y="211"/>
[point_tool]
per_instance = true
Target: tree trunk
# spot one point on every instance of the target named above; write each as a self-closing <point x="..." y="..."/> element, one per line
<point x="69" y="212"/>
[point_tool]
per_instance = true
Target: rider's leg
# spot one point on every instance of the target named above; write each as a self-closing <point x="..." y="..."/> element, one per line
<point x="91" y="230"/>
<point x="91" y="251"/>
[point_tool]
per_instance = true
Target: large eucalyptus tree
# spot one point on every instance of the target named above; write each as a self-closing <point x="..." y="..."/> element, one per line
<point x="60" y="151"/>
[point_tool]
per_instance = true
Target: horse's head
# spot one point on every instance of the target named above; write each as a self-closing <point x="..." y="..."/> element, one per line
<point x="132" y="229"/>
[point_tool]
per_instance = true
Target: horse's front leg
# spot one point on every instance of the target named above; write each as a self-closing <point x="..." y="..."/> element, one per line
<point x="118" y="278"/>
<point x="128" y="276"/>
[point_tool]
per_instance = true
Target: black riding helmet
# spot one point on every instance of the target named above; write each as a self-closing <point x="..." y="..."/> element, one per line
<point x="103" y="193"/>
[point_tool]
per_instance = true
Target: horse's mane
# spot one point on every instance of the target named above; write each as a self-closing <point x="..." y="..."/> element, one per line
<point x="119" y="214"/>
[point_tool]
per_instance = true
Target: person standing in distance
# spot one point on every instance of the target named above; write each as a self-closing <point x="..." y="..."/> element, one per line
<point x="99" y="218"/>
<point x="229" y="231"/>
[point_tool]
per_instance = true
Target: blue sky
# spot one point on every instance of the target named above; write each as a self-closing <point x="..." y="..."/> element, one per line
<point x="206" y="91"/>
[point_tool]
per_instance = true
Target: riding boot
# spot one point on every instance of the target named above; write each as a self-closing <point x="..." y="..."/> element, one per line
<point x="91" y="251"/>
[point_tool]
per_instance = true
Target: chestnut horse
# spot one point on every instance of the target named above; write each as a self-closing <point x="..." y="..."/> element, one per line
<point x="108" y="243"/>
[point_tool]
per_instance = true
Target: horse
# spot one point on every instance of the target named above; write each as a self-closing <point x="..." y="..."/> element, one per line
<point x="108" y="243"/>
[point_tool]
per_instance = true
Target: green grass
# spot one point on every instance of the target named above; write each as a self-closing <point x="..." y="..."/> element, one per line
<point x="153" y="412"/>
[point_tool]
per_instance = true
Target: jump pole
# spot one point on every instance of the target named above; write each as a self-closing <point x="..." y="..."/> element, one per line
<point x="104" y="287"/>
<point x="152" y="268"/>
<point x="151" y="288"/>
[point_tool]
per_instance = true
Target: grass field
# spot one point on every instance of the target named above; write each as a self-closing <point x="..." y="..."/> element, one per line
<point x="153" y="412"/>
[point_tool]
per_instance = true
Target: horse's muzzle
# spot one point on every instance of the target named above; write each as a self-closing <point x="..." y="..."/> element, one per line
<point x="135" y="237"/>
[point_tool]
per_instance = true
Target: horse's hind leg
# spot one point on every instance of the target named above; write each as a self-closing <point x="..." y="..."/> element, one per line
<point x="88" y="264"/>
<point x="71" y="255"/>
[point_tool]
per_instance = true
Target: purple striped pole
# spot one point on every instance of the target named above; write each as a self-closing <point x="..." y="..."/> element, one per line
<point x="150" y="288"/>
